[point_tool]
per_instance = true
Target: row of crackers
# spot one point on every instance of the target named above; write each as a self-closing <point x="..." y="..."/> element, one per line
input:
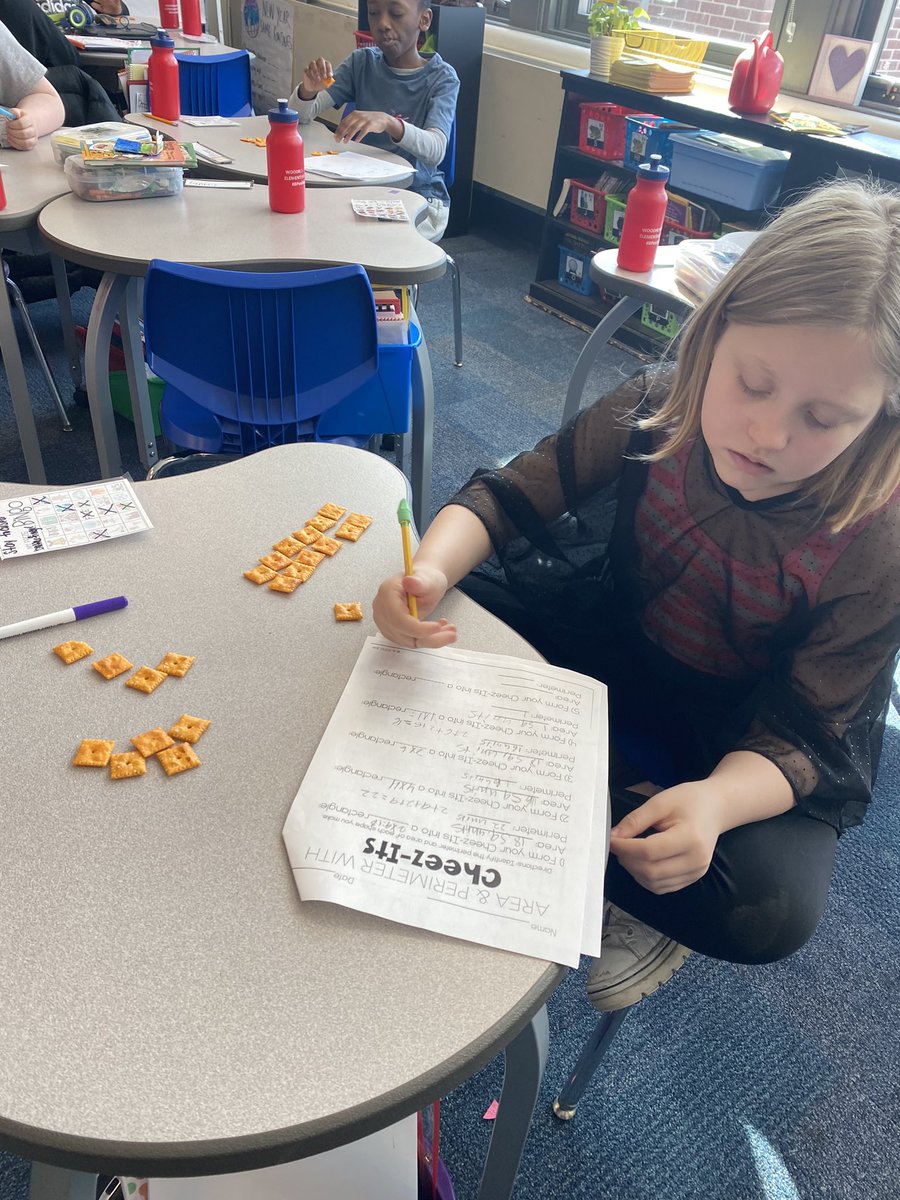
<point x="294" y="558"/>
<point x="174" y="756"/>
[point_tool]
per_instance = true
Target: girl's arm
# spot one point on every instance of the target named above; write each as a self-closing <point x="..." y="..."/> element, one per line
<point x="40" y="112"/>
<point x="455" y="543"/>
<point x="687" y="820"/>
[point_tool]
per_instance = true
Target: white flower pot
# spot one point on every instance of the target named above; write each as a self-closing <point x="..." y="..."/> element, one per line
<point x="604" y="52"/>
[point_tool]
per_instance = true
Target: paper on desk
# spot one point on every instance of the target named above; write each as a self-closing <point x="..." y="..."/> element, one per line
<point x="207" y="122"/>
<point x="463" y="793"/>
<point x="347" y="165"/>
<point x="80" y="516"/>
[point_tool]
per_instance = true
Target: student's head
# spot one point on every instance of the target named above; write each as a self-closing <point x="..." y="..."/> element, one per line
<point x="791" y="367"/>
<point x="395" y="25"/>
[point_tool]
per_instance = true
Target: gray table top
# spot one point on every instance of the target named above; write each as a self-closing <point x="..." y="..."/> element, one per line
<point x="238" y="229"/>
<point x="31" y="178"/>
<point x="249" y="160"/>
<point x="169" y="1004"/>
<point x="659" y="283"/>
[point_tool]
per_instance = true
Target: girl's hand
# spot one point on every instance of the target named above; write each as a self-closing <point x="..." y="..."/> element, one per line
<point x="392" y="615"/>
<point x="22" y="132"/>
<point x="317" y="76"/>
<point x="685" y="822"/>
<point x="355" y="126"/>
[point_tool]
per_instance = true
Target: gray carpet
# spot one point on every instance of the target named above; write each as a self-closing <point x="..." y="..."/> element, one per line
<point x="730" y="1083"/>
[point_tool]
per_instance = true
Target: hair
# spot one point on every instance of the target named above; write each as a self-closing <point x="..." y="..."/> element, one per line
<point x="832" y="258"/>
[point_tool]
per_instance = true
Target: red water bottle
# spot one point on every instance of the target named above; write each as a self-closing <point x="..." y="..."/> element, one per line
<point x="162" y="75"/>
<point x="168" y="14"/>
<point x="191" y="25"/>
<point x="284" y="161"/>
<point x="645" y="210"/>
<point x="2" y="193"/>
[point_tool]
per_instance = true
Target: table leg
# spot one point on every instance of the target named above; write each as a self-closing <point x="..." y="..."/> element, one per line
<point x="526" y="1057"/>
<point x="110" y="295"/>
<point x="57" y="1183"/>
<point x="18" y="389"/>
<point x="64" y="300"/>
<point x="130" y="322"/>
<point x="422" y="424"/>
<point x="611" y="323"/>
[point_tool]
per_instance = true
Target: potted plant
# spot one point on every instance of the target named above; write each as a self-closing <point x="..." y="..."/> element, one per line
<point x="607" y="22"/>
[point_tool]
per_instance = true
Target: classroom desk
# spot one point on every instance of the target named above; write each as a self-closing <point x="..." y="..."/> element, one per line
<point x="635" y="289"/>
<point x="231" y="229"/>
<point x="250" y="161"/>
<point x="31" y="178"/>
<point x="105" y="65"/>
<point x="170" y="1007"/>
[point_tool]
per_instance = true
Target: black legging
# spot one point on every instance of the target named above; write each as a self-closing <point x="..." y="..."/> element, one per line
<point x="766" y="887"/>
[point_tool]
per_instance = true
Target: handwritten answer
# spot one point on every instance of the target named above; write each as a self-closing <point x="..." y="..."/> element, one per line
<point x="463" y="793"/>
<point x="79" y="516"/>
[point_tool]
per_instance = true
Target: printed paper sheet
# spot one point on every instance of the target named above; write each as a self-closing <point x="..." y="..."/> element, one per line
<point x="463" y="793"/>
<point x="79" y="516"/>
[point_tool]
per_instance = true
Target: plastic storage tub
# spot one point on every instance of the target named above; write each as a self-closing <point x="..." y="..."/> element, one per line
<point x="602" y="130"/>
<point x="122" y="183"/>
<point x="587" y="208"/>
<point x="383" y="404"/>
<point x="615" y="218"/>
<point x="646" y="134"/>
<point x="68" y="141"/>
<point x="743" y="174"/>
<point x="574" y="270"/>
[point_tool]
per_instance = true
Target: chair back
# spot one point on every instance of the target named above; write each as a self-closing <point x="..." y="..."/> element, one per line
<point x="215" y="85"/>
<point x="265" y="352"/>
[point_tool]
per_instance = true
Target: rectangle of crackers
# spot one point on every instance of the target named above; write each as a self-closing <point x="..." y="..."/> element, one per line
<point x="326" y="545"/>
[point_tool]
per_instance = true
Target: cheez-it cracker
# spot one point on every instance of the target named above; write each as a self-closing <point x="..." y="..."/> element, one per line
<point x="326" y="545"/>
<point x="299" y="571"/>
<point x="176" y="664"/>
<point x="276" y="560"/>
<point x="93" y="752"/>
<point x="321" y="523"/>
<point x="179" y="758"/>
<point x="71" y="652"/>
<point x="352" y="611"/>
<point x="306" y="535"/>
<point x="309" y="557"/>
<point x="349" y="533"/>
<point x="189" y="729"/>
<point x="331" y="510"/>
<point x="359" y="519"/>
<point x="127" y="765"/>
<point x="289" y="546"/>
<point x="112" y="665"/>
<point x="285" y="583"/>
<point x="152" y="741"/>
<point x="260" y="574"/>
<point x="145" y="680"/>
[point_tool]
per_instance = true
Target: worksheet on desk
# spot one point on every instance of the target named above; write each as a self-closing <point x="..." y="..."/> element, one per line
<point x="345" y="164"/>
<point x="85" y="515"/>
<point x="464" y="793"/>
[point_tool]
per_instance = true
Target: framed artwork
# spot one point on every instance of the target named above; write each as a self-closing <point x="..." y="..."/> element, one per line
<point x="841" y="70"/>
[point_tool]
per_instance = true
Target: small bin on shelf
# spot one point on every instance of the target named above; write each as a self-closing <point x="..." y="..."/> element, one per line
<point x="587" y="207"/>
<point x="646" y="134"/>
<point x="602" y="130"/>
<point x="574" y="269"/>
<point x="615" y="217"/>
<point x="673" y="233"/>
<point x="660" y="320"/>
<point x="743" y="174"/>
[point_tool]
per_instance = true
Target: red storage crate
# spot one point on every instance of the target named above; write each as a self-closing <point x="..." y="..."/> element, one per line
<point x="602" y="130"/>
<point x="587" y="207"/>
<point x="673" y="233"/>
<point x="363" y="39"/>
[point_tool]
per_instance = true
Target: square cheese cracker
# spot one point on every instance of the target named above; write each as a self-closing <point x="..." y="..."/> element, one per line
<point x="176" y="664"/>
<point x="326" y="545"/>
<point x="145" y="680"/>
<point x="70" y="652"/>
<point x="127" y="765"/>
<point x="189" y="729"/>
<point x="179" y="758"/>
<point x="112" y="665"/>
<point x="350" y="611"/>
<point x="152" y="741"/>
<point x="93" y="752"/>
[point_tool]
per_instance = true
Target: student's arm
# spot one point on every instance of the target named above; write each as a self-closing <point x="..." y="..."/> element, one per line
<point x="455" y="543"/>
<point x="40" y="112"/>
<point x="689" y="818"/>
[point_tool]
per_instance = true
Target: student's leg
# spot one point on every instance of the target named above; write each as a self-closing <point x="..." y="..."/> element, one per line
<point x="760" y="900"/>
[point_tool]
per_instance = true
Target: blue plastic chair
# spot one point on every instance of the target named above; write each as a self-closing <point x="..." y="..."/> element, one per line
<point x="215" y="85"/>
<point x="259" y="359"/>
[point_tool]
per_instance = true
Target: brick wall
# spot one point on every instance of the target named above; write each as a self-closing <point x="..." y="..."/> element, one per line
<point x="730" y="19"/>
<point x="889" y="63"/>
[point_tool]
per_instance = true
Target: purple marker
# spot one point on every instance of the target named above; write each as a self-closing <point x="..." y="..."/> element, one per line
<point x="78" y="613"/>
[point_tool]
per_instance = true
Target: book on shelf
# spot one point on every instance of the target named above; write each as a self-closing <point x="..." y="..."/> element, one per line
<point x="654" y="75"/>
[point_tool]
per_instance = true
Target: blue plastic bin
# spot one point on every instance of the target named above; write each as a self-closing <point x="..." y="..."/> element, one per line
<point x="703" y="163"/>
<point x="574" y="270"/>
<point x="646" y="134"/>
<point x="383" y="404"/>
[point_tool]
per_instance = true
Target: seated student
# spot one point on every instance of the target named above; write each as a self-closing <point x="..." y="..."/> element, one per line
<point x="25" y="90"/>
<point x="406" y="102"/>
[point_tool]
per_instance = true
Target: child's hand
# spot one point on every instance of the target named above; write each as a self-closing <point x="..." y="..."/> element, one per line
<point x="685" y="826"/>
<point x="392" y="615"/>
<point x="355" y="126"/>
<point x="22" y="132"/>
<point x="317" y="76"/>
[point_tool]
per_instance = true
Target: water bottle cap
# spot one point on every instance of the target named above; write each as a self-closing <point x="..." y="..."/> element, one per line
<point x="162" y="40"/>
<point x="283" y="113"/>
<point x="653" y="170"/>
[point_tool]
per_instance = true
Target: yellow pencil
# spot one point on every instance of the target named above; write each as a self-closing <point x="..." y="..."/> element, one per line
<point x="163" y="120"/>
<point x="404" y="516"/>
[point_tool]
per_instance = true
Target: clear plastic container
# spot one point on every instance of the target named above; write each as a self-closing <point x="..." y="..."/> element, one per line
<point x="122" y="183"/>
<point x="68" y="141"/>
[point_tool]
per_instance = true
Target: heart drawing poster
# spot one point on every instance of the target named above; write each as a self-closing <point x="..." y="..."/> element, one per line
<point x="842" y="68"/>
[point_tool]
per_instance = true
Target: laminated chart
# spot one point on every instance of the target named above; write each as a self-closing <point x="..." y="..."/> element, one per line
<point x="78" y="516"/>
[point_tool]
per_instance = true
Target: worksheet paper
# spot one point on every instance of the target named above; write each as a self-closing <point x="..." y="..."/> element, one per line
<point x="463" y="793"/>
<point x="80" y="516"/>
<point x="348" y="165"/>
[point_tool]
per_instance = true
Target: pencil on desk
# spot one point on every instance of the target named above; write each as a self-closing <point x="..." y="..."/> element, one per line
<point x="404" y="516"/>
<point x="162" y="120"/>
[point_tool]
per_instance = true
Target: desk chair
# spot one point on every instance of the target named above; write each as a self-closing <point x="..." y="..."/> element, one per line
<point x="259" y="359"/>
<point x="18" y="300"/>
<point x="448" y="169"/>
<point x="215" y="85"/>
